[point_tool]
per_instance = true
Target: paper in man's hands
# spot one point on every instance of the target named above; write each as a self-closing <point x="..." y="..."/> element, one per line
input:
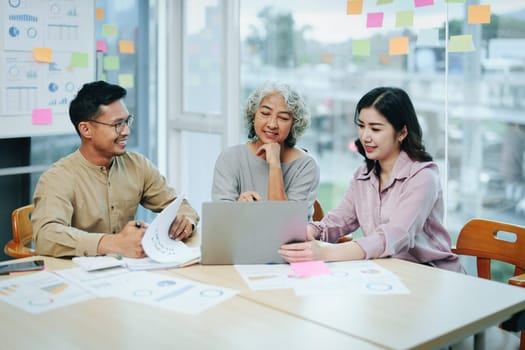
<point x="156" y="241"/>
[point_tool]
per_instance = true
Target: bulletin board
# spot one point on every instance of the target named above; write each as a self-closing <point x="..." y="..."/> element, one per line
<point x="47" y="52"/>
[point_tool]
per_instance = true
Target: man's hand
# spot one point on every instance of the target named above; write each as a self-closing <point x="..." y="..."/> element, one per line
<point x="127" y="242"/>
<point x="181" y="228"/>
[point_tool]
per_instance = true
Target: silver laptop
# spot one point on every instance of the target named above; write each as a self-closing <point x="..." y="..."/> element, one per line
<point x="250" y="232"/>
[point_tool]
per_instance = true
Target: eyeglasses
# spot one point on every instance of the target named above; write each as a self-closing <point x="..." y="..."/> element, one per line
<point x="118" y="126"/>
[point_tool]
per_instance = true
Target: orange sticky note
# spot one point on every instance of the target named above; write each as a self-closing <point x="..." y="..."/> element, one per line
<point x="354" y="7"/>
<point x="43" y="54"/>
<point x="398" y="46"/>
<point x="478" y="14"/>
<point x="99" y="13"/>
<point x="126" y="46"/>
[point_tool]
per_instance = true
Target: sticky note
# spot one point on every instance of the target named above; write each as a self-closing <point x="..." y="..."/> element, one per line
<point x="374" y="20"/>
<point x="126" y="80"/>
<point x="310" y="268"/>
<point x="43" y="54"/>
<point x="428" y="37"/>
<point x="382" y="2"/>
<point x="461" y="43"/>
<point x="478" y="14"/>
<point x="361" y="47"/>
<point x="398" y="46"/>
<point x="79" y="59"/>
<point x="99" y="13"/>
<point x="111" y="63"/>
<point x="42" y="116"/>
<point x="456" y="1"/>
<point x="405" y="18"/>
<point x="102" y="46"/>
<point x="109" y="30"/>
<point x="354" y="7"/>
<point x="421" y="3"/>
<point x="126" y="46"/>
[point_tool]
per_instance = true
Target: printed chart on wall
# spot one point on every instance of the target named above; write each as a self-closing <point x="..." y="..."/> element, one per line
<point x="47" y="52"/>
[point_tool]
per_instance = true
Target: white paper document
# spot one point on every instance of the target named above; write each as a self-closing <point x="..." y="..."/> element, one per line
<point x="41" y="291"/>
<point x="158" y="245"/>
<point x="361" y="277"/>
<point x="155" y="289"/>
<point x="168" y="292"/>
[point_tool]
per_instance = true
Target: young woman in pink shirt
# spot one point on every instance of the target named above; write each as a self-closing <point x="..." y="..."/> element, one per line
<point x="395" y="197"/>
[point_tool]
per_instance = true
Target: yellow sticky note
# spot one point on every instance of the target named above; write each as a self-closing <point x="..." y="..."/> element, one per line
<point x="111" y="63"/>
<point x="354" y="7"/>
<point x="361" y="47"/>
<point x="79" y="59"/>
<point x="43" y="54"/>
<point x="461" y="43"/>
<point x="398" y="46"/>
<point x="109" y="30"/>
<point x="99" y="13"/>
<point x="405" y="18"/>
<point x="126" y="80"/>
<point x="126" y="46"/>
<point x="478" y="14"/>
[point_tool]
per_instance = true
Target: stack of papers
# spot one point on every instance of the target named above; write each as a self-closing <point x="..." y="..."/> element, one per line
<point x="162" y="251"/>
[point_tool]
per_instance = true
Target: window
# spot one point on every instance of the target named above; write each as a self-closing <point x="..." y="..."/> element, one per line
<point x="464" y="72"/>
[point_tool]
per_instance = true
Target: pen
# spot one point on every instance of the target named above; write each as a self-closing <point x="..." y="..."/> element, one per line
<point x="138" y="224"/>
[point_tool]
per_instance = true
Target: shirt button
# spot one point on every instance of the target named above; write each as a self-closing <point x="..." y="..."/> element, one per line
<point x="85" y="253"/>
<point x="112" y="208"/>
<point x="114" y="231"/>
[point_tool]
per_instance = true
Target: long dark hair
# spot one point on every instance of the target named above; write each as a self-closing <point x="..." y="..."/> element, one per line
<point x="395" y="105"/>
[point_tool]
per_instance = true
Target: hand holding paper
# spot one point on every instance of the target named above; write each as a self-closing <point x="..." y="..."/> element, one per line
<point x="156" y="242"/>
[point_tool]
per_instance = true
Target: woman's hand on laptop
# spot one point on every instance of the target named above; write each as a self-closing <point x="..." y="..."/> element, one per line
<point x="249" y="196"/>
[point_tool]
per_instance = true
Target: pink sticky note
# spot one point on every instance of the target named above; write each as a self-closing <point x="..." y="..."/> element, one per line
<point x="374" y="20"/>
<point x="310" y="268"/>
<point x="42" y="116"/>
<point x="102" y="46"/>
<point x="421" y="3"/>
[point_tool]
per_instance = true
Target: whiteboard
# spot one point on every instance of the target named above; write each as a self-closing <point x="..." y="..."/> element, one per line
<point x="47" y="52"/>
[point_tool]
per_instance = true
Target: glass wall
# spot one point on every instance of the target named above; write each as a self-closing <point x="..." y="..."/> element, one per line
<point x="123" y="55"/>
<point x="462" y="63"/>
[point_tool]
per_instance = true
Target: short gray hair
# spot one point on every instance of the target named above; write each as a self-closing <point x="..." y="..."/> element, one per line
<point x="294" y="102"/>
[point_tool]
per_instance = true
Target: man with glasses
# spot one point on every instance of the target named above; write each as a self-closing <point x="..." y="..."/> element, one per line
<point x="86" y="203"/>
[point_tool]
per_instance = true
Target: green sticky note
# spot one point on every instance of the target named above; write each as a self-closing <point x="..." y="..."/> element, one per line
<point x="79" y="60"/>
<point x="109" y="30"/>
<point x="456" y="1"/>
<point x="405" y="19"/>
<point x="361" y="47"/>
<point x="126" y="80"/>
<point x="461" y="43"/>
<point x="382" y="2"/>
<point x="111" y="63"/>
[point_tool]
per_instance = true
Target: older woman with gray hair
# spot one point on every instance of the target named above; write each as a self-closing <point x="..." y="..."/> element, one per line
<point x="269" y="166"/>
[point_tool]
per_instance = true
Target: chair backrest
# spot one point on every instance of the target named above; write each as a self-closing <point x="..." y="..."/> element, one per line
<point x="492" y="240"/>
<point x="318" y="211"/>
<point x="18" y="247"/>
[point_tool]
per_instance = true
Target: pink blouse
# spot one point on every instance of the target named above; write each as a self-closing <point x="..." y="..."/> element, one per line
<point x="404" y="220"/>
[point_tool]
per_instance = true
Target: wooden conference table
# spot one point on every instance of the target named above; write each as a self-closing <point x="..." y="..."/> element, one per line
<point x="442" y="308"/>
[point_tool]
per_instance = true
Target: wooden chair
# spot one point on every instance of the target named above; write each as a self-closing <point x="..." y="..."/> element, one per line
<point x="489" y="240"/>
<point x="20" y="245"/>
<point x="318" y="211"/>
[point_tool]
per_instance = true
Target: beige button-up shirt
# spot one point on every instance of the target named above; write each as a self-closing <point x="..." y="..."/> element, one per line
<point x="77" y="202"/>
